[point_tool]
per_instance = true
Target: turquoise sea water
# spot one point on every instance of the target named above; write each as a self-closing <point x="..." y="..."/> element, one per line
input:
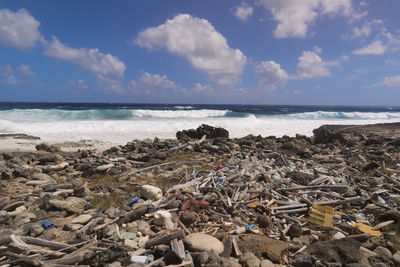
<point x="120" y="123"/>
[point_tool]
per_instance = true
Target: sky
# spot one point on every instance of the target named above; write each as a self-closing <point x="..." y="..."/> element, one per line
<point x="308" y="52"/>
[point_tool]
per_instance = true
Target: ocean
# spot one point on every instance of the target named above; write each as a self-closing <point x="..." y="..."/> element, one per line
<point x="121" y="123"/>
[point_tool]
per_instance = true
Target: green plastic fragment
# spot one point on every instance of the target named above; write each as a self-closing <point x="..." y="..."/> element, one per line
<point x="127" y="235"/>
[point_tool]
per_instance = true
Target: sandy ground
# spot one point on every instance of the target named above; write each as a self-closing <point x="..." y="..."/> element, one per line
<point x="28" y="143"/>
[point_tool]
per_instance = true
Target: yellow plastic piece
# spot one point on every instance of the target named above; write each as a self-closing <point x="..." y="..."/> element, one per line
<point x="367" y="229"/>
<point x="253" y="204"/>
<point x="320" y="215"/>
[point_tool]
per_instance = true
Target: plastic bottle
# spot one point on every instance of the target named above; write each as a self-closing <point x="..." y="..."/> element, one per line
<point x="143" y="259"/>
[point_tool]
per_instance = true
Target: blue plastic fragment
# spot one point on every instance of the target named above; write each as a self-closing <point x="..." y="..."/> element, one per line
<point x="132" y="201"/>
<point x="47" y="224"/>
<point x="385" y="197"/>
<point x="219" y="179"/>
<point x="249" y="227"/>
<point x="99" y="212"/>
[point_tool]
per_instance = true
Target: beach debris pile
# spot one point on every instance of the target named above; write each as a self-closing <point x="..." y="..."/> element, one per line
<point x="206" y="200"/>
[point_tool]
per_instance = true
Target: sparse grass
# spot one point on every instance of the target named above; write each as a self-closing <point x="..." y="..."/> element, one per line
<point x="114" y="200"/>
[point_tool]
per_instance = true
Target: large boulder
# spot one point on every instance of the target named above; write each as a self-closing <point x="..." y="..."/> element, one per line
<point x="263" y="246"/>
<point x="344" y="250"/>
<point x="151" y="192"/>
<point x="203" y="242"/>
<point x="323" y="135"/>
<point x="209" y="131"/>
<point x="71" y="204"/>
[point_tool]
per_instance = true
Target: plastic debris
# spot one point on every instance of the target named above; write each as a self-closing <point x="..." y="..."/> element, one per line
<point x="367" y="229"/>
<point x="142" y="259"/>
<point x="46" y="224"/>
<point x="320" y="215"/>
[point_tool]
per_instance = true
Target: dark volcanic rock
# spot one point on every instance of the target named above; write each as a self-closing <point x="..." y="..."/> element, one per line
<point x="344" y="250"/>
<point x="323" y="135"/>
<point x="300" y="177"/>
<point x="47" y="148"/>
<point x="209" y="131"/>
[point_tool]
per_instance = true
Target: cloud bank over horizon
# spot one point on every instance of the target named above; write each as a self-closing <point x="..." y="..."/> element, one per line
<point x="253" y="51"/>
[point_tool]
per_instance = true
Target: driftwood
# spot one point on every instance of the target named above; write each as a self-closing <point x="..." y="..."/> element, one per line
<point x="18" y="243"/>
<point x="75" y="257"/>
<point x="235" y="244"/>
<point x="178" y="248"/>
<point x="290" y="211"/>
<point x="331" y="187"/>
<point x="46" y="243"/>
<point x="100" y="227"/>
<point x="340" y="201"/>
<point x="165" y="239"/>
<point x="124" y="175"/>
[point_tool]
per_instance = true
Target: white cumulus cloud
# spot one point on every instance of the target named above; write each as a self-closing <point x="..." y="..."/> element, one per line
<point x="392" y="81"/>
<point x="295" y="16"/>
<point x="311" y="65"/>
<point x="203" y="89"/>
<point x="87" y="59"/>
<point x="271" y="75"/>
<point x="79" y="84"/>
<point x="152" y="83"/>
<point x="25" y="70"/>
<point x="374" y="48"/>
<point x="200" y="43"/>
<point x="243" y="12"/>
<point x="14" y="76"/>
<point x="18" y="30"/>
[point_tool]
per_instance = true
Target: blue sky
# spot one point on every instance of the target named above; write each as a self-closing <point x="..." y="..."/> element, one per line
<point x="319" y="52"/>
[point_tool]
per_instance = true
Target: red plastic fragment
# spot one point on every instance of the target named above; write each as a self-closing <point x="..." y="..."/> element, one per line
<point x="190" y="202"/>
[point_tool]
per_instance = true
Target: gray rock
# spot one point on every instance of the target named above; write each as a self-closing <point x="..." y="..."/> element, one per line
<point x="383" y="252"/>
<point x="143" y="227"/>
<point x="41" y="176"/>
<point x="396" y="257"/>
<point x="114" y="264"/>
<point x="344" y="250"/>
<point x="302" y="260"/>
<point x="295" y="231"/>
<point x="81" y="191"/>
<point x="266" y="263"/>
<point x="23" y="218"/>
<point x="204" y="242"/>
<point x="36" y="229"/>
<point x="4" y="217"/>
<point x="71" y="204"/>
<point x="105" y="167"/>
<point x="3" y="202"/>
<point x="151" y="192"/>
<point x="13" y="206"/>
<point x="249" y="260"/>
<point x="82" y="219"/>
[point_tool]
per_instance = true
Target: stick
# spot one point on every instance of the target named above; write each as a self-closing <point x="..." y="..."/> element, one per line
<point x="164" y="239"/>
<point x="340" y="201"/>
<point x="124" y="175"/>
<point x="332" y="187"/>
<point x="46" y="243"/>
<point x="18" y="243"/>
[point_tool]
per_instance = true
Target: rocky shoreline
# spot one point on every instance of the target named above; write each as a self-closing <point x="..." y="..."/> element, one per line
<point x="204" y="199"/>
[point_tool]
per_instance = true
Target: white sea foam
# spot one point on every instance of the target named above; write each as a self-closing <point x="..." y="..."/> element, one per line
<point x="345" y="115"/>
<point x="183" y="107"/>
<point x="122" y="131"/>
<point x="202" y="113"/>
